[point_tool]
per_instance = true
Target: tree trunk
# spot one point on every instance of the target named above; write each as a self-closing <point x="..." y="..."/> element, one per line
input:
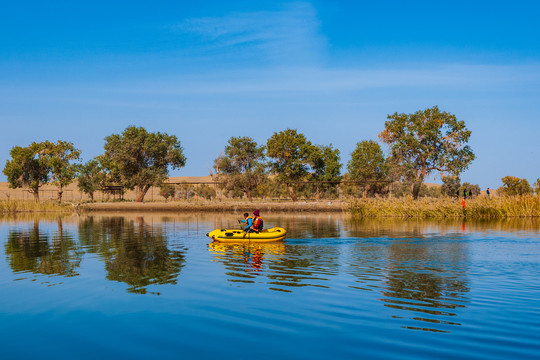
<point x="421" y="174"/>
<point x="35" y="192"/>
<point x="291" y="193"/>
<point x="60" y="228"/>
<point x="416" y="189"/>
<point x="91" y="196"/>
<point x="418" y="183"/>
<point x="364" y="193"/>
<point x="248" y="193"/>
<point x="60" y="192"/>
<point x="141" y="192"/>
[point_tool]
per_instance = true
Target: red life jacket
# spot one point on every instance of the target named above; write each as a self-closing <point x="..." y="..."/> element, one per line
<point x="258" y="223"/>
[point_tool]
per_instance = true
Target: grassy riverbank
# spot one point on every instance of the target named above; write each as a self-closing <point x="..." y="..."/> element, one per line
<point x="440" y="208"/>
<point x="216" y="206"/>
<point x="425" y="208"/>
<point x="28" y="206"/>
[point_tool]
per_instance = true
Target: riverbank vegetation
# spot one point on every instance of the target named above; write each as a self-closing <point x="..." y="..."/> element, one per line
<point x="27" y="206"/>
<point x="482" y="207"/>
<point x="478" y="208"/>
<point x="287" y="166"/>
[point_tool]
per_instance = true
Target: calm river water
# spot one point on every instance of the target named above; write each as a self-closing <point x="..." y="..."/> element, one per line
<point x="141" y="286"/>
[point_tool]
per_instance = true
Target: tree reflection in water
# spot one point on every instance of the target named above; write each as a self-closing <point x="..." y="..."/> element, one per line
<point x="424" y="272"/>
<point x="134" y="252"/>
<point x="30" y="250"/>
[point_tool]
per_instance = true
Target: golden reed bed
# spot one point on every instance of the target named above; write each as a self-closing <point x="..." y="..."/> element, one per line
<point x="434" y="208"/>
<point x="439" y="208"/>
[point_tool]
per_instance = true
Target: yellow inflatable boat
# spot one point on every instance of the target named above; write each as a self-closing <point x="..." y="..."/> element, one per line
<point x="236" y="235"/>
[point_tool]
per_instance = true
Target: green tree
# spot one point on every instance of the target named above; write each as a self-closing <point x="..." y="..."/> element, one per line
<point x="524" y="187"/>
<point x="241" y="168"/>
<point x="430" y="191"/>
<point x="271" y="188"/>
<point x="28" y="167"/>
<point x="450" y="186"/>
<point x="206" y="192"/>
<point x="61" y="156"/>
<point x="289" y="152"/>
<point x="326" y="168"/>
<point x="139" y="159"/>
<point x="468" y="187"/>
<point x="537" y="186"/>
<point x="368" y="165"/>
<point x="91" y="178"/>
<point x="167" y="191"/>
<point x="428" y="140"/>
<point x="515" y="186"/>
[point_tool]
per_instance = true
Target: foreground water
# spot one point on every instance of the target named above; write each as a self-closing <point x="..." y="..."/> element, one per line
<point x="150" y="286"/>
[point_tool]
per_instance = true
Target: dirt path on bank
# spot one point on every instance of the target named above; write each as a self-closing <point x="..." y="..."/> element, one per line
<point x="240" y="207"/>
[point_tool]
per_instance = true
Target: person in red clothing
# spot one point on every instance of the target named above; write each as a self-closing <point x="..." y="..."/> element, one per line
<point x="463" y="205"/>
<point x="257" y="222"/>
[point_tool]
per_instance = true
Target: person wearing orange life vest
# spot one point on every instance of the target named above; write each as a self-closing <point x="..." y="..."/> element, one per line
<point x="257" y="222"/>
<point x="248" y="220"/>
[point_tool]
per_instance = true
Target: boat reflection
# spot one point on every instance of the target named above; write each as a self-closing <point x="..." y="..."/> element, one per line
<point x="240" y="258"/>
<point x="419" y="268"/>
<point x="281" y="266"/>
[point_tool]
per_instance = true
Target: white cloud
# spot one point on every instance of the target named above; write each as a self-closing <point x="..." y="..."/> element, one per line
<point x="289" y="35"/>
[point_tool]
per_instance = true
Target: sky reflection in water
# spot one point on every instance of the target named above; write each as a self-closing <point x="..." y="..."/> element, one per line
<point x="333" y="273"/>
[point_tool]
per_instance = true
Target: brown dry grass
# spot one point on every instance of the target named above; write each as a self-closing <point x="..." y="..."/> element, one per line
<point x="228" y="206"/>
<point x="72" y="193"/>
<point x="481" y="207"/>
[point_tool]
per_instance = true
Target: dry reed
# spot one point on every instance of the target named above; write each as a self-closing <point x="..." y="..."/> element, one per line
<point x="440" y="208"/>
<point x="18" y="206"/>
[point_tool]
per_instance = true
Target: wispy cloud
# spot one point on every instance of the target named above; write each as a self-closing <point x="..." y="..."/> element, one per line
<point x="289" y="35"/>
<point x="311" y="80"/>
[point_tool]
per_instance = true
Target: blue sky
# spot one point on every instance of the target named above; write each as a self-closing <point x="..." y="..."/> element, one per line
<point x="333" y="70"/>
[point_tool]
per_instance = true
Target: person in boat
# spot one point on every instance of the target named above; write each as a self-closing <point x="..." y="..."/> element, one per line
<point x="248" y="220"/>
<point x="258" y="223"/>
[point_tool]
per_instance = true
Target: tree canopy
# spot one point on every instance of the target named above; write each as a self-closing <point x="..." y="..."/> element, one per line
<point x="469" y="189"/>
<point x="426" y="141"/>
<point x="91" y="178"/>
<point x="140" y="159"/>
<point x="368" y="165"/>
<point x="515" y="186"/>
<point x="241" y="166"/>
<point x="326" y="168"/>
<point x="28" y="167"/>
<point x="62" y="157"/>
<point x="450" y="186"/>
<point x="289" y="153"/>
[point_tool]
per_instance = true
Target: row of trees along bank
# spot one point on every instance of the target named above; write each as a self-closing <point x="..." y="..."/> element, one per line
<point x="419" y="143"/>
<point x="135" y="159"/>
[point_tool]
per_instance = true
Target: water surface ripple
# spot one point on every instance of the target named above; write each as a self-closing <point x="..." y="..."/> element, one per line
<point x="147" y="285"/>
